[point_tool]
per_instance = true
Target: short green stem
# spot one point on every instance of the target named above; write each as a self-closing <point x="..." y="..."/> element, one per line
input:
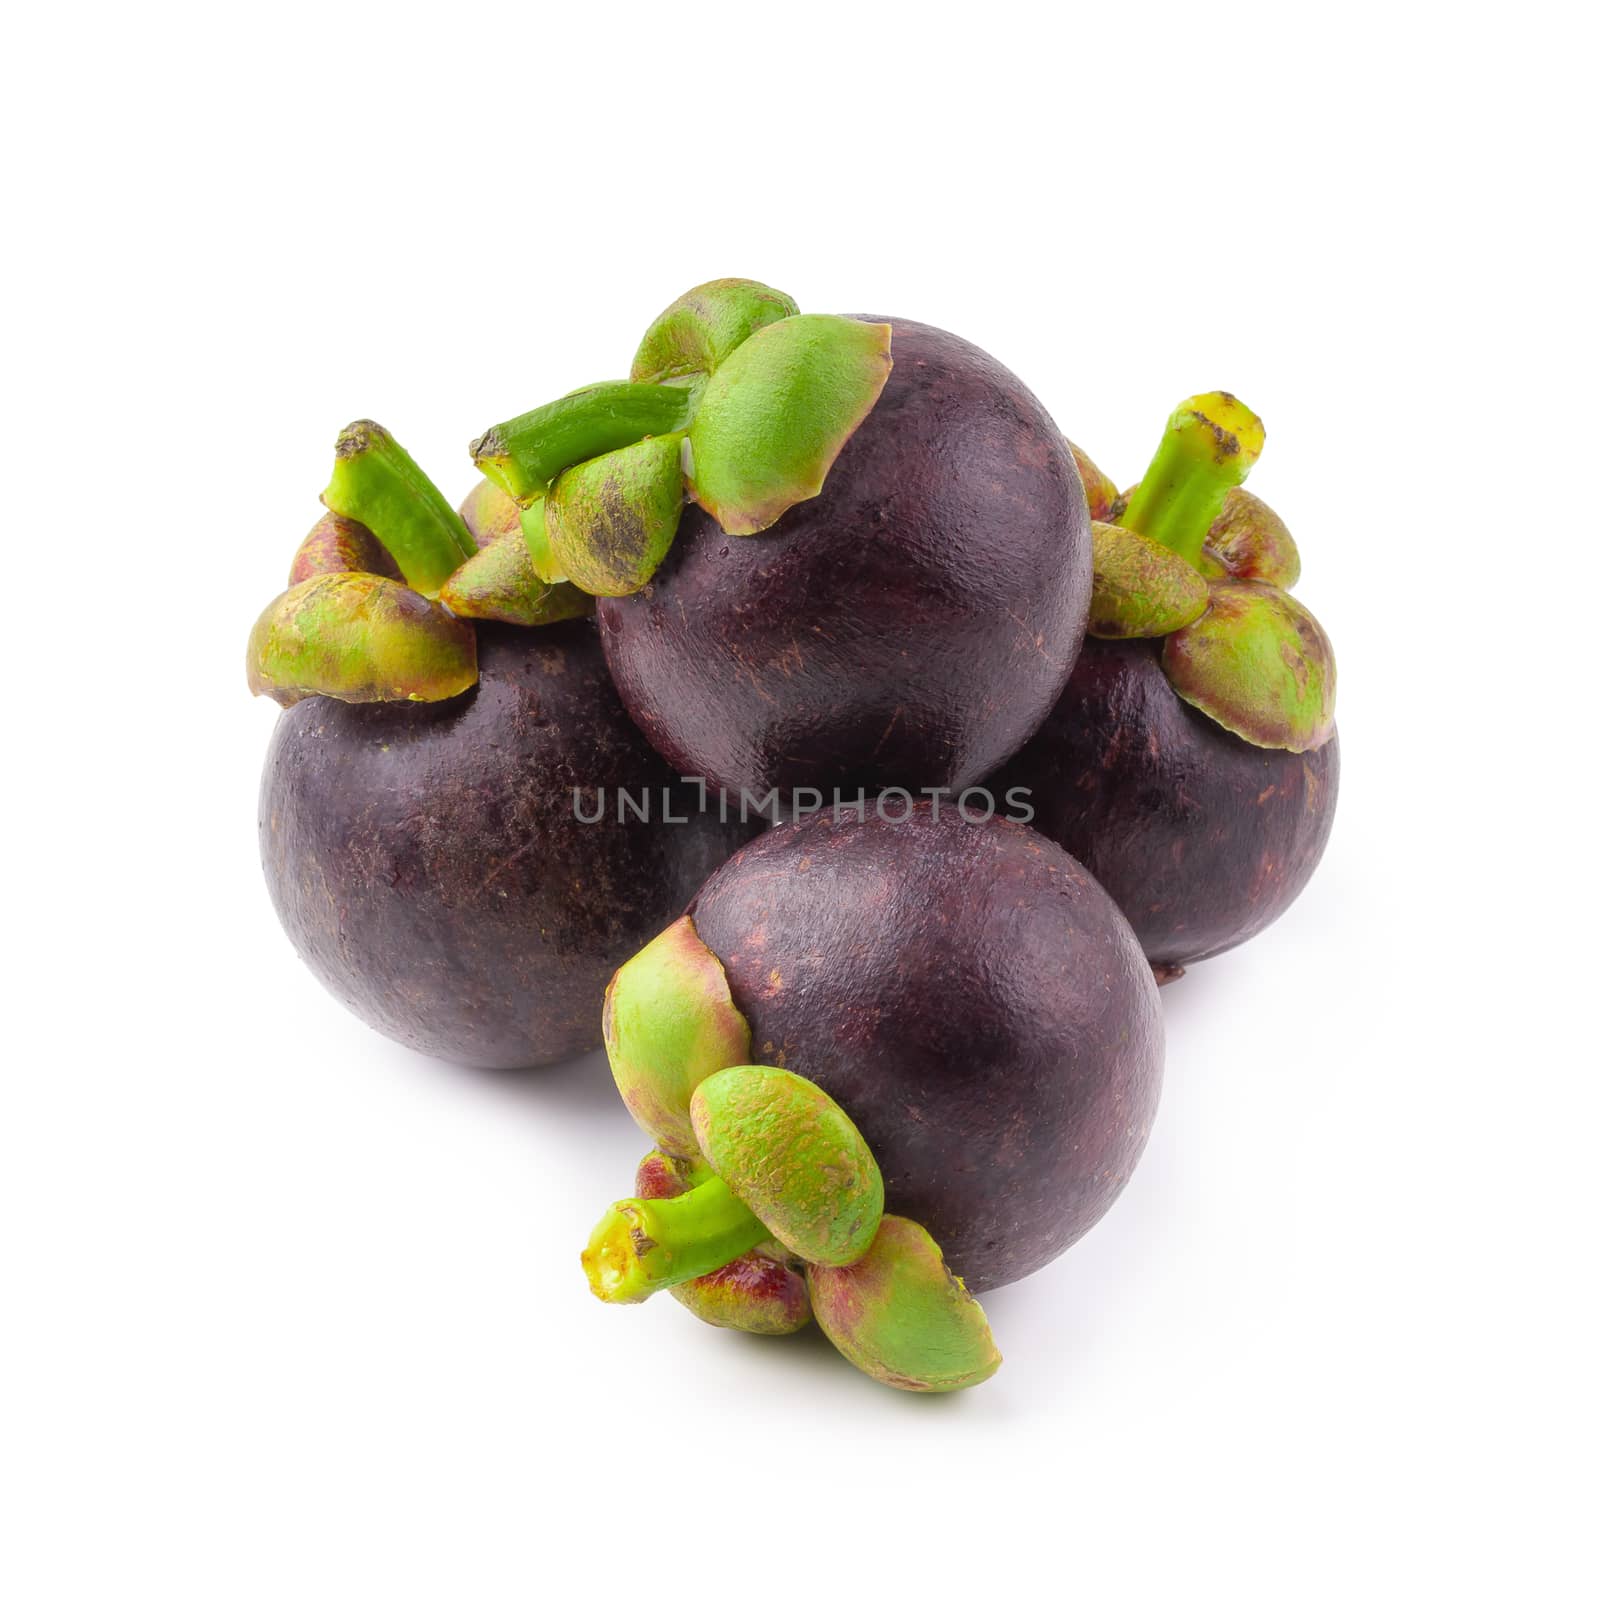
<point x="525" y="455"/>
<point x="376" y="482"/>
<point x="640" y="1246"/>
<point x="1211" y="442"/>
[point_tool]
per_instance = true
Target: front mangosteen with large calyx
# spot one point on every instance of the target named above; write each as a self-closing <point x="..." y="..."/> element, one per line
<point x="959" y="1047"/>
<point x="829" y="552"/>
<point x="1191" y="762"/>
<point x="420" y="807"/>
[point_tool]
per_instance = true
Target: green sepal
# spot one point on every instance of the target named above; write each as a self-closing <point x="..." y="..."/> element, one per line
<point x="536" y="536"/>
<point x="663" y="1177"/>
<point x="525" y="455"/>
<point x="1098" y="489"/>
<point x="788" y="1150"/>
<point x="358" y="637"/>
<point x="611" y="521"/>
<point x="336" y="544"/>
<point x="669" y="1022"/>
<point x="702" y="328"/>
<point x="901" y="1315"/>
<point x="499" y="585"/>
<point x="1141" y="589"/>
<point x="774" y="417"/>
<point x="1259" y="664"/>
<point x="490" y="513"/>
<point x="1249" y="540"/>
<point x="377" y="484"/>
<point x="756" y="1293"/>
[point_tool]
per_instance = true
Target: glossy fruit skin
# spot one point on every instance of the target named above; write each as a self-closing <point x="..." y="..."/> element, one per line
<point x="911" y="625"/>
<point x="426" y="863"/>
<point x="971" y="998"/>
<point x="1201" y="838"/>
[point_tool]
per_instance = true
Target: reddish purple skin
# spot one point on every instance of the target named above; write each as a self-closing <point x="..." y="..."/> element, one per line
<point x="1201" y="838"/>
<point x="974" y="1001"/>
<point x="426" y="863"/>
<point x="911" y="625"/>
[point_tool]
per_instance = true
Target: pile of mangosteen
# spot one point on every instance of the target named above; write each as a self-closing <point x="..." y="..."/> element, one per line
<point x="805" y="719"/>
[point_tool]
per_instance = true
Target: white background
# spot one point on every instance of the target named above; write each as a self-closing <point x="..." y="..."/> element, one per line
<point x="292" y="1312"/>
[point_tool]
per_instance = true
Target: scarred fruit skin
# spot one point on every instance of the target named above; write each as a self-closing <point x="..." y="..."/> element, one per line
<point x="1201" y="838"/>
<point x="910" y="625"/>
<point x="974" y="1002"/>
<point x="426" y="863"/>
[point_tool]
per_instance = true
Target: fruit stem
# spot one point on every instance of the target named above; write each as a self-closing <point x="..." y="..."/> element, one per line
<point x="525" y="455"/>
<point x="640" y="1246"/>
<point x="1210" y="444"/>
<point x="376" y="483"/>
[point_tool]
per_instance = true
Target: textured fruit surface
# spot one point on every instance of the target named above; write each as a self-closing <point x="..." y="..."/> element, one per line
<point x="1202" y="839"/>
<point x="427" y="865"/>
<point x="912" y="624"/>
<point x="974" y="1002"/>
<point x="787" y="1150"/>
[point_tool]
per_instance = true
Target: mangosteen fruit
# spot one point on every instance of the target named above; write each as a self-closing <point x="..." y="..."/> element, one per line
<point x="909" y="1055"/>
<point x="828" y="551"/>
<point x="1191" y="763"/>
<point x="461" y="829"/>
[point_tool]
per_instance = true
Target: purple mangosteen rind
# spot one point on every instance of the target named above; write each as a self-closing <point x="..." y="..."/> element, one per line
<point x="443" y="870"/>
<point x="910" y="626"/>
<point x="998" y="1084"/>
<point x="1202" y="839"/>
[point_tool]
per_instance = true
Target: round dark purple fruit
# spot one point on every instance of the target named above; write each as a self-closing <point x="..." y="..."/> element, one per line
<point x="909" y="625"/>
<point x="1191" y="763"/>
<point x="967" y="994"/>
<point x="1200" y="838"/>
<point x="427" y="863"/>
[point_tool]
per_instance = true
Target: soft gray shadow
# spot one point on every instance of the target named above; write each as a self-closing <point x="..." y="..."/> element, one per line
<point x="580" y="1087"/>
<point x="1201" y="988"/>
<point x="809" y="1354"/>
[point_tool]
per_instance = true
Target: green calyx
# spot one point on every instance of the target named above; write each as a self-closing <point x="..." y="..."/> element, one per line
<point x="901" y="1315"/>
<point x="779" y="1165"/>
<point x="1202" y="564"/>
<point x="772" y="1174"/>
<point x="1142" y="589"/>
<point x="1098" y="489"/>
<point x="499" y="585"/>
<point x="490" y="513"/>
<point x="758" y="1292"/>
<point x="777" y="412"/>
<point x="1248" y="540"/>
<point x="1258" y="663"/>
<point x="702" y="328"/>
<point x="377" y="484"/>
<point x="359" y="637"/>
<point x="735" y="397"/>
<point x="536" y="537"/>
<point x="670" y="1022"/>
<point x="527" y="454"/>
<point x="788" y="1152"/>
<point x="336" y="544"/>
<point x="609" y="522"/>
